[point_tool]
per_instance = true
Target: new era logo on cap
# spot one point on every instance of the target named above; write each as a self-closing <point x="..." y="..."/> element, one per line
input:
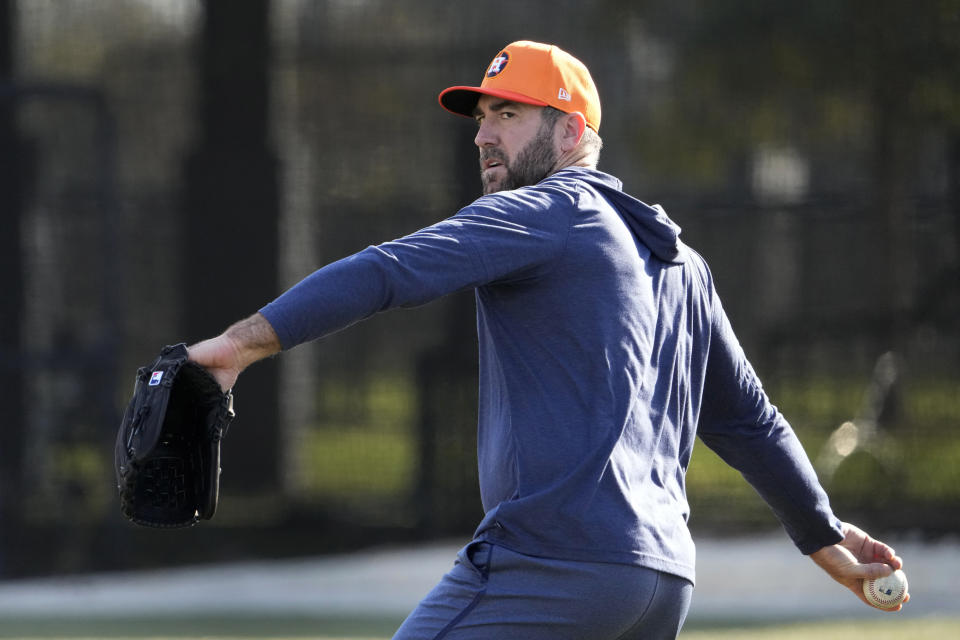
<point x="563" y="95"/>
<point x="156" y="378"/>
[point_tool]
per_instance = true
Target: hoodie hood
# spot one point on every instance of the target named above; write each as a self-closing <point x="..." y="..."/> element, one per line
<point x="650" y="224"/>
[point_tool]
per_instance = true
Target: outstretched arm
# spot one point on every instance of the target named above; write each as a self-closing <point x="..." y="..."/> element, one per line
<point x="244" y="343"/>
<point x="856" y="558"/>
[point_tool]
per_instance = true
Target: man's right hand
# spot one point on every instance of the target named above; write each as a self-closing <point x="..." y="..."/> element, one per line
<point x="856" y="558"/>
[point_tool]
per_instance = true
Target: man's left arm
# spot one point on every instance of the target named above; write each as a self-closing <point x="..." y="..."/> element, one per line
<point x="493" y="238"/>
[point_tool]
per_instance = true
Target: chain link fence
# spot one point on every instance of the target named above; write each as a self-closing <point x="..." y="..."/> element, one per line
<point x="823" y="188"/>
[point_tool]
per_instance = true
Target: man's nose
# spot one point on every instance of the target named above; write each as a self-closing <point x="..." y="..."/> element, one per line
<point x="485" y="136"/>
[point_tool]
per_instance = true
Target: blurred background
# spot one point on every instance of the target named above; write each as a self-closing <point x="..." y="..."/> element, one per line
<point x="169" y="166"/>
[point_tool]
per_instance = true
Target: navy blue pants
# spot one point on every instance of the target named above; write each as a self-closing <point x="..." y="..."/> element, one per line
<point x="493" y="593"/>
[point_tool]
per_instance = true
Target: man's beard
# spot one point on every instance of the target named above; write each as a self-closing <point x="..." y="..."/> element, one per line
<point x="534" y="163"/>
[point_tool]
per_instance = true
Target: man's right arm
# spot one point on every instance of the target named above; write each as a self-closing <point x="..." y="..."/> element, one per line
<point x="740" y="424"/>
<point x="242" y="344"/>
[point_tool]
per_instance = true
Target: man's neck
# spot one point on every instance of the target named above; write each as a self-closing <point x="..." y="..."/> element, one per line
<point x="575" y="158"/>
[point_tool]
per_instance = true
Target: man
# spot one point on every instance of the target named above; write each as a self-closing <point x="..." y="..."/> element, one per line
<point x="604" y="351"/>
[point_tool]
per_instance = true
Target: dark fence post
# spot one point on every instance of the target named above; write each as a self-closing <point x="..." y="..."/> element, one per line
<point x="448" y="494"/>
<point x="230" y="223"/>
<point x="12" y="418"/>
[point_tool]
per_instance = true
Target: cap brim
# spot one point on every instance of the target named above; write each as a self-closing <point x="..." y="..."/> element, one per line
<point x="463" y="100"/>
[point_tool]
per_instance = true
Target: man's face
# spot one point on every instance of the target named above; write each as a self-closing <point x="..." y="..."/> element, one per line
<point x="516" y="147"/>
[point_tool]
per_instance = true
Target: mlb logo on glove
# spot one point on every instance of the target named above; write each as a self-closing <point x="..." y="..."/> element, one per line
<point x="155" y="378"/>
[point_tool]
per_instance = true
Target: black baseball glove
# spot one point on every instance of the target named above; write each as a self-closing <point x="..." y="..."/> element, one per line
<point x="167" y="455"/>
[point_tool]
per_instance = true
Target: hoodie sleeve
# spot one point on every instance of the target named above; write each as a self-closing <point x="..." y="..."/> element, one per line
<point x="497" y="237"/>
<point x="740" y="424"/>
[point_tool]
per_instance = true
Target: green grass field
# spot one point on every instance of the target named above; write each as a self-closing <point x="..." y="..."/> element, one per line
<point x="892" y="629"/>
<point x="289" y="628"/>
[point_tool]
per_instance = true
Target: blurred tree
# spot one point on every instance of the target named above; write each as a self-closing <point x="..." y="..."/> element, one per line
<point x="230" y="223"/>
<point x="861" y="83"/>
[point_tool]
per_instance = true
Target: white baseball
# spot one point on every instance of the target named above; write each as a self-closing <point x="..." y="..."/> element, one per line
<point x="887" y="592"/>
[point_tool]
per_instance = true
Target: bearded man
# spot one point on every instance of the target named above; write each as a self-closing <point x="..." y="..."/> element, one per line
<point x="604" y="352"/>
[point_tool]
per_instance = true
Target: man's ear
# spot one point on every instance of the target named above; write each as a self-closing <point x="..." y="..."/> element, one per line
<point x="571" y="131"/>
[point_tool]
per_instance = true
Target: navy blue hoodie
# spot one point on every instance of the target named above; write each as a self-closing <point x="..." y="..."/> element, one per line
<point x="604" y="351"/>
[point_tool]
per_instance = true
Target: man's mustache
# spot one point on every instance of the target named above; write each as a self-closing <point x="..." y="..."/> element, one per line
<point x="492" y="153"/>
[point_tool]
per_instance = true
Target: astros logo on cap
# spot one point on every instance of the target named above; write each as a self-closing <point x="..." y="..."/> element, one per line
<point x="498" y="64"/>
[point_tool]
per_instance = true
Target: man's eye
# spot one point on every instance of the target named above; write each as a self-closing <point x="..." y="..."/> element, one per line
<point x="506" y="115"/>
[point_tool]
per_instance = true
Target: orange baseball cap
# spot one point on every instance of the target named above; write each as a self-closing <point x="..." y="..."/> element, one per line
<point x="532" y="73"/>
